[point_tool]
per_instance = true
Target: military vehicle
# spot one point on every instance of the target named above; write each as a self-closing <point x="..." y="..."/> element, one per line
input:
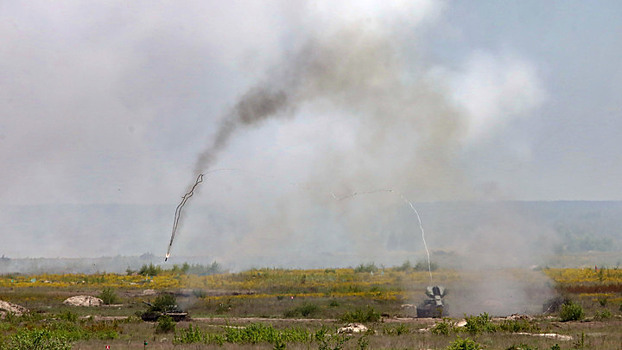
<point x="154" y="313"/>
<point x="434" y="305"/>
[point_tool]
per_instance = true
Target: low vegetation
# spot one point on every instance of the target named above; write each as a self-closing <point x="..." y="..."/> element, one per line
<point x="296" y="309"/>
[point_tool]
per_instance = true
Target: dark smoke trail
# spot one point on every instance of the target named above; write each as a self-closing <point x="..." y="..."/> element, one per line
<point x="178" y="213"/>
<point x="255" y="106"/>
<point x="351" y="70"/>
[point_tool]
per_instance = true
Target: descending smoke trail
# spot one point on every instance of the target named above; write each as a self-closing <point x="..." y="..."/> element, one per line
<point x="178" y="210"/>
<point x="256" y="105"/>
<point x="354" y="71"/>
<point x="407" y="201"/>
<point x="422" y="233"/>
<point x="354" y="194"/>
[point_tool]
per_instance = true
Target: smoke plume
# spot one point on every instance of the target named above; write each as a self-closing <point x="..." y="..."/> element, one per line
<point x="405" y="128"/>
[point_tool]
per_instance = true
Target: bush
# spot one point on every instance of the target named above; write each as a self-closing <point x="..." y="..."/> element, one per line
<point x="326" y="341"/>
<point x="464" y="344"/>
<point x="398" y="330"/>
<point x="361" y="315"/>
<point x="604" y="315"/>
<point x="480" y="324"/>
<point x="258" y="333"/>
<point x="252" y="334"/>
<point x="304" y="310"/>
<point x="371" y="267"/>
<point x="190" y="335"/>
<point x="37" y="339"/>
<point x="165" y="324"/>
<point x="515" y="326"/>
<point x="108" y="296"/>
<point x="521" y="347"/>
<point x="404" y="267"/>
<point x="571" y="312"/>
<point x="150" y="270"/>
<point x="68" y="316"/>
<point x="444" y="327"/>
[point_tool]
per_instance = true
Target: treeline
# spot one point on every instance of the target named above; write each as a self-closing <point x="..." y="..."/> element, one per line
<point x="188" y="269"/>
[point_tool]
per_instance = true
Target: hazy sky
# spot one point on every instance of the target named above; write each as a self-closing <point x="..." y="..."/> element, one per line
<point x="113" y="101"/>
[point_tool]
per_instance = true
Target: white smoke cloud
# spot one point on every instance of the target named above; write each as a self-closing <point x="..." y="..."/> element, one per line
<point x="494" y="89"/>
<point x="334" y="14"/>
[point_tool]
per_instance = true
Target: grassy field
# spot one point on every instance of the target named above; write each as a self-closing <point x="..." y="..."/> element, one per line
<point x="302" y="309"/>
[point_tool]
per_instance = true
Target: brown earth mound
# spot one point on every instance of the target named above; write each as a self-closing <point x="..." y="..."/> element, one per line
<point x="6" y="307"/>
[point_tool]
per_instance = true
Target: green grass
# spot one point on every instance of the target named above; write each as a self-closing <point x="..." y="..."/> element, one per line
<point x="318" y="302"/>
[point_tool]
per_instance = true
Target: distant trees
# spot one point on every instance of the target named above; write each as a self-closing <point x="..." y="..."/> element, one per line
<point x="194" y="269"/>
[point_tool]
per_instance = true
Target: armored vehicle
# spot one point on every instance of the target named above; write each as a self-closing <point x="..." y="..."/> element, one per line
<point x="434" y="305"/>
<point x="155" y="312"/>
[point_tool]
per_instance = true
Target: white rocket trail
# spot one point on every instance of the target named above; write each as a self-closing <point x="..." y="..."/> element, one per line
<point x="410" y="204"/>
<point x="422" y="233"/>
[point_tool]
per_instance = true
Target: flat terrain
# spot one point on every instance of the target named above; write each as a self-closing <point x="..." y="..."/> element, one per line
<point x="303" y="309"/>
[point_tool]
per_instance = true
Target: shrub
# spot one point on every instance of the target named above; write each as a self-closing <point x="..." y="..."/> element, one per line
<point x="304" y="310"/>
<point x="515" y="326"/>
<point x="604" y="315"/>
<point x="165" y="324"/>
<point x="150" y="270"/>
<point x="192" y="335"/>
<point x="464" y="344"/>
<point x="258" y="333"/>
<point x="404" y="267"/>
<point x="108" y="296"/>
<point x="480" y="324"/>
<point x="189" y="335"/>
<point x="521" y="347"/>
<point x="371" y="267"/>
<point x="398" y="330"/>
<point x="68" y="316"/>
<point x="361" y="315"/>
<point x="328" y="342"/>
<point x="39" y="339"/>
<point x="571" y="312"/>
<point x="444" y="327"/>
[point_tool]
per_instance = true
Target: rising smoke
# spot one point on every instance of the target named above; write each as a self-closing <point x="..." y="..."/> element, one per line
<point x="406" y="130"/>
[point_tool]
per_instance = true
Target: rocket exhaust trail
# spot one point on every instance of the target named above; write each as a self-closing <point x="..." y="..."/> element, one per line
<point x="422" y="233"/>
<point x="410" y="204"/>
<point x="180" y="207"/>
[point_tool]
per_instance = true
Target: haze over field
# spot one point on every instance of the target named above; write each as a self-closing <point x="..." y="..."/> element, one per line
<point x="117" y="106"/>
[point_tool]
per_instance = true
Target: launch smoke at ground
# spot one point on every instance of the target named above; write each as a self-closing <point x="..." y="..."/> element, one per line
<point x="178" y="212"/>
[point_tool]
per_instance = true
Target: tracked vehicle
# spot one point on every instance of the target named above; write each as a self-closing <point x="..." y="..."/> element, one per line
<point x="154" y="313"/>
<point x="434" y="306"/>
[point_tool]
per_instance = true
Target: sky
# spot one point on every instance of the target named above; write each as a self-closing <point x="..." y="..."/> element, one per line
<point x="115" y="102"/>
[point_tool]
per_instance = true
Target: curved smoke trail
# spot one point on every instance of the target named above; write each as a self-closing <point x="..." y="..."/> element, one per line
<point x="410" y="204"/>
<point x="178" y="210"/>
